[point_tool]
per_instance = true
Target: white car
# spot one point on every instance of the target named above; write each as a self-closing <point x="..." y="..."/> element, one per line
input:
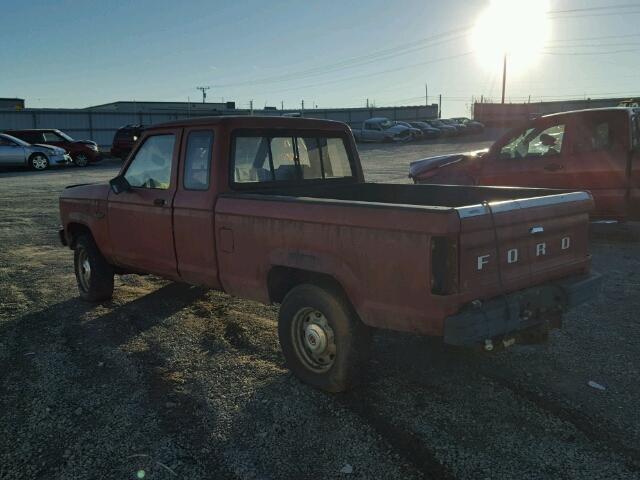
<point x="16" y="152"/>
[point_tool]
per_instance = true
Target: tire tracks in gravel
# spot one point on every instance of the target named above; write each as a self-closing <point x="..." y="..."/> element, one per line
<point x="590" y="426"/>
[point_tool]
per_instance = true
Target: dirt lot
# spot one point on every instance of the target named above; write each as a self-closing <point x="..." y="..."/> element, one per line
<point x="169" y="381"/>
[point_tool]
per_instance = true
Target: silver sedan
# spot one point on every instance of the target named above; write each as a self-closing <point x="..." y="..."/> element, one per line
<point x="15" y="152"/>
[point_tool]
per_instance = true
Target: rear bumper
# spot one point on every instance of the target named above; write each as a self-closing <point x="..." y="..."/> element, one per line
<point x="522" y="310"/>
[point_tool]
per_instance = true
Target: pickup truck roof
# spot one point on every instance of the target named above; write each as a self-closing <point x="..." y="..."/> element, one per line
<point x="629" y="110"/>
<point x="256" y="122"/>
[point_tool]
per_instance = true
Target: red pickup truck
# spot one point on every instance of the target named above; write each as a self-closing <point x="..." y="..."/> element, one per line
<point x="277" y="210"/>
<point x="597" y="150"/>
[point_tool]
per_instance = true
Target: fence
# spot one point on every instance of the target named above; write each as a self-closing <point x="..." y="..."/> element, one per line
<point x="101" y="126"/>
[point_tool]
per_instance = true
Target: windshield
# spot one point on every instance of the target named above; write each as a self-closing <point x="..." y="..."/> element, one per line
<point x="386" y="124"/>
<point x="22" y="143"/>
<point x="65" y="136"/>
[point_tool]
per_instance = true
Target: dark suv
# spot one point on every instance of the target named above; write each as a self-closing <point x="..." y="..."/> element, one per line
<point x="124" y="140"/>
<point x="82" y="152"/>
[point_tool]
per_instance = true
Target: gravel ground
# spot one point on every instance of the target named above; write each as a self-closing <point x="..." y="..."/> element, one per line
<point x="170" y="381"/>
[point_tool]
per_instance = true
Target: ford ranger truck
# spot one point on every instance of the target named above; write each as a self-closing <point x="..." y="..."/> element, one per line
<point x="596" y="150"/>
<point x="277" y="210"/>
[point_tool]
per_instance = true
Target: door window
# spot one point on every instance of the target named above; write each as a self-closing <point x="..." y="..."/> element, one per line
<point x="198" y="160"/>
<point x="535" y="142"/>
<point x="151" y="166"/>
<point x="52" y="137"/>
<point x="594" y="137"/>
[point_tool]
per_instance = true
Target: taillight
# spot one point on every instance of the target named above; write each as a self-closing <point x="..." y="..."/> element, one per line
<point x="444" y="266"/>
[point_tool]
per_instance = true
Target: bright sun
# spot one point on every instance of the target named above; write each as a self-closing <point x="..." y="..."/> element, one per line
<point x="519" y="28"/>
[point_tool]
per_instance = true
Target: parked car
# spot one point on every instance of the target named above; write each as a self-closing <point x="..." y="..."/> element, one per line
<point x="16" y="152"/>
<point x="462" y="129"/>
<point x="445" y="130"/>
<point x="381" y="129"/>
<point x="124" y="140"/>
<point x="596" y="150"/>
<point x="82" y="152"/>
<point x="427" y="130"/>
<point x="283" y="215"/>
<point x="416" y="133"/>
<point x="473" y="126"/>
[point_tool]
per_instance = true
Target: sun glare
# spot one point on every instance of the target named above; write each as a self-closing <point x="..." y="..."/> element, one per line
<point x="519" y="28"/>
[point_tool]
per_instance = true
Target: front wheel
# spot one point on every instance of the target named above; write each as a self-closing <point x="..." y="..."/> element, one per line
<point x="93" y="273"/>
<point x="81" y="160"/>
<point x="324" y="342"/>
<point x="39" y="161"/>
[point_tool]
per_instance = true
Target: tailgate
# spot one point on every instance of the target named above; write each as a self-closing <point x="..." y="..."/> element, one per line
<point x="531" y="240"/>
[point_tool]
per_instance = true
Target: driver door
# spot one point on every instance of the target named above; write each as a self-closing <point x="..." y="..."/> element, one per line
<point x="529" y="158"/>
<point x="140" y="219"/>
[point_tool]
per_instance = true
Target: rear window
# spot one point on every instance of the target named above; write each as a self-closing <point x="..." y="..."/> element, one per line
<point x="284" y="158"/>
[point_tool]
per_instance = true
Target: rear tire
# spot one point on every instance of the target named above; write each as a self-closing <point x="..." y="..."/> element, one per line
<point x="38" y="161"/>
<point x="93" y="273"/>
<point x="324" y="342"/>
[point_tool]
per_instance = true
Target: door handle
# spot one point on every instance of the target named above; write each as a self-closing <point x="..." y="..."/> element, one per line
<point x="553" y="167"/>
<point x="159" y="202"/>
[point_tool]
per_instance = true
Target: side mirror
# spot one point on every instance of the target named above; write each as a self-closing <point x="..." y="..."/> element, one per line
<point x="119" y="184"/>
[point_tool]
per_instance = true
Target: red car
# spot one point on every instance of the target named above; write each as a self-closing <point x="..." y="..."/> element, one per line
<point x="277" y="210"/>
<point x="125" y="139"/>
<point x="596" y="150"/>
<point x="82" y="152"/>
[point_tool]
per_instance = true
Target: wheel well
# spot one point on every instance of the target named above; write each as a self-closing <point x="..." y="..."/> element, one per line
<point x="282" y="279"/>
<point x="38" y="153"/>
<point x="74" y="230"/>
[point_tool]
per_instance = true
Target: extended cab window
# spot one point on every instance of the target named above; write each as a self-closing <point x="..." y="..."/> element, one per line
<point x="280" y="158"/>
<point x="151" y="167"/>
<point x="198" y="160"/>
<point x="535" y="142"/>
<point x="593" y="137"/>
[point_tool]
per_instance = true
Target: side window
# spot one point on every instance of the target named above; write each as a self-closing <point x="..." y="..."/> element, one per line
<point x="535" y="142"/>
<point x="547" y="142"/>
<point x="51" y="137"/>
<point x="594" y="137"/>
<point x="197" y="161"/>
<point x="151" y="167"/>
<point x="335" y="158"/>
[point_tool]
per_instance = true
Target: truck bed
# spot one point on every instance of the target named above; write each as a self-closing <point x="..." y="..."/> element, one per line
<point x="437" y="196"/>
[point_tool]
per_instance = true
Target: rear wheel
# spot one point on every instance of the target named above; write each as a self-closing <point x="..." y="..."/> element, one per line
<point x="324" y="342"/>
<point x="93" y="273"/>
<point x="39" y="161"/>
<point x="81" y="160"/>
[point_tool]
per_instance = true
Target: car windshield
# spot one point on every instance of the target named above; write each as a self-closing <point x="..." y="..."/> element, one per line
<point x="65" y="136"/>
<point x="386" y="124"/>
<point x="22" y="143"/>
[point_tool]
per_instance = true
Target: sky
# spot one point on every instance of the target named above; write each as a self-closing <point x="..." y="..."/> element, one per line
<point x="330" y="53"/>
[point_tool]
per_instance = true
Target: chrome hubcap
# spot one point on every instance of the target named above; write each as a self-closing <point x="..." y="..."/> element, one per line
<point x="84" y="270"/>
<point x="313" y="340"/>
<point x="39" y="162"/>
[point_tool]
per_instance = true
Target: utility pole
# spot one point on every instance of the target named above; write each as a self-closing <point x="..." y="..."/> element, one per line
<point x="302" y="104"/>
<point x="504" y="75"/>
<point x="440" y="106"/>
<point x="367" y="103"/>
<point x="251" y="107"/>
<point x="281" y="104"/>
<point x="426" y="95"/>
<point x="204" y="92"/>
